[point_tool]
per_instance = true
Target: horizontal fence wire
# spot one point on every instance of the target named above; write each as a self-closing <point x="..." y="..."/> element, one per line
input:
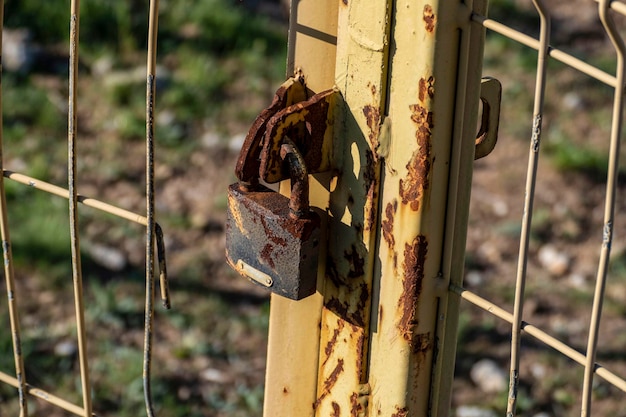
<point x="542" y="46"/>
<point x="154" y="234"/>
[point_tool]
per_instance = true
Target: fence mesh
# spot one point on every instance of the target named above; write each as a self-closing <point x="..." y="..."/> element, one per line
<point x="154" y="234"/>
<point x="553" y="289"/>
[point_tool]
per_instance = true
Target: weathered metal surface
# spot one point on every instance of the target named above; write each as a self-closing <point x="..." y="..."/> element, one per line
<point x="490" y="96"/>
<point x="291" y="91"/>
<point x="261" y="233"/>
<point x="361" y="78"/>
<point x="309" y="124"/>
<point x="428" y="129"/>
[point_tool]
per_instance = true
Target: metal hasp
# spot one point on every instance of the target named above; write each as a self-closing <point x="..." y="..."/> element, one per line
<point x="271" y="239"/>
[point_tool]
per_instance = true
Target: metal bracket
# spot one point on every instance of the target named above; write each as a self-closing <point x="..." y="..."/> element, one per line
<point x="309" y="125"/>
<point x="490" y="96"/>
<point x="307" y="122"/>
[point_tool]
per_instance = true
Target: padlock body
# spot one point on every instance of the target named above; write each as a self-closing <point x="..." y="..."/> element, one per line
<point x="262" y="235"/>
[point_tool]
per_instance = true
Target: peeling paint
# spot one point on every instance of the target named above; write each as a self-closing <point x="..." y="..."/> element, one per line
<point x="371" y="186"/>
<point x="372" y="117"/>
<point x="426" y="88"/>
<point x="355" y="406"/>
<point x="360" y="346"/>
<point x="336" y="409"/>
<point x="356" y="262"/>
<point x="332" y="273"/>
<point x="330" y="346"/>
<point x="387" y="223"/>
<point x="401" y="412"/>
<point x="412" y="188"/>
<point x="429" y="18"/>
<point x="414" y="259"/>
<point x="329" y="383"/>
<point x="337" y="307"/>
<point x="422" y="343"/>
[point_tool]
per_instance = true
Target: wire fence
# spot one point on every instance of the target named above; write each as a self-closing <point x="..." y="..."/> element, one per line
<point x="608" y="11"/>
<point x="154" y="234"/>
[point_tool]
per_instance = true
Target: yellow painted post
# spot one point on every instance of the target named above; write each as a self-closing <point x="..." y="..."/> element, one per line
<point x="433" y="90"/>
<point x="379" y="336"/>
<point x="361" y="78"/>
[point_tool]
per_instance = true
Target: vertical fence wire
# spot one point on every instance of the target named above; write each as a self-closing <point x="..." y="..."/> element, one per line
<point x="8" y="264"/>
<point x="73" y="209"/>
<point x="154" y="233"/>
<point x="609" y="206"/>
<point x="531" y="177"/>
<point x="150" y="227"/>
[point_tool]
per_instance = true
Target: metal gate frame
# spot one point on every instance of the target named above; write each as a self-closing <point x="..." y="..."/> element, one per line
<point x="403" y="151"/>
<point x="408" y="72"/>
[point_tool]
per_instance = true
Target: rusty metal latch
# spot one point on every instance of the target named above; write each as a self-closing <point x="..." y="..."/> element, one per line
<point x="270" y="239"/>
<point x="307" y="121"/>
<point x="490" y="96"/>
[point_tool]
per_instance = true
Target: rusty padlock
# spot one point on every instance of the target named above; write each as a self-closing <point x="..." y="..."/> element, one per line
<point x="271" y="239"/>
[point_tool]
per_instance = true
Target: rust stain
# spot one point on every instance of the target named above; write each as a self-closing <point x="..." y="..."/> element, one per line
<point x="370" y="177"/>
<point x="414" y="259"/>
<point x="332" y="273"/>
<point x="387" y="223"/>
<point x="426" y="88"/>
<point x="329" y="383"/>
<point x="345" y="2"/>
<point x="400" y="412"/>
<point x="337" y="307"/>
<point x="266" y="255"/>
<point x="285" y="391"/>
<point x="330" y="346"/>
<point x="356" y="262"/>
<point x="429" y="18"/>
<point x="413" y="187"/>
<point x="360" y="348"/>
<point x="355" y="405"/>
<point x="380" y="313"/>
<point x="336" y="409"/>
<point x="422" y="343"/>
<point x="372" y="117"/>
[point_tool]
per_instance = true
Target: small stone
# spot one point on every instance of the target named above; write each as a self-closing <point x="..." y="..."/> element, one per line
<point x="210" y="139"/>
<point x="577" y="281"/>
<point x="474" y="278"/>
<point x="108" y="257"/>
<point x="236" y="142"/>
<point x="214" y="375"/>
<point x="473" y="411"/>
<point x="65" y="349"/>
<point x="488" y="376"/>
<point x="555" y="262"/>
<point x="500" y="208"/>
<point x="573" y="101"/>
<point x="18" y="53"/>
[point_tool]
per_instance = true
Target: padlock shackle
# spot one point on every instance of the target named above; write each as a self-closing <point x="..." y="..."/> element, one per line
<point x="299" y="199"/>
